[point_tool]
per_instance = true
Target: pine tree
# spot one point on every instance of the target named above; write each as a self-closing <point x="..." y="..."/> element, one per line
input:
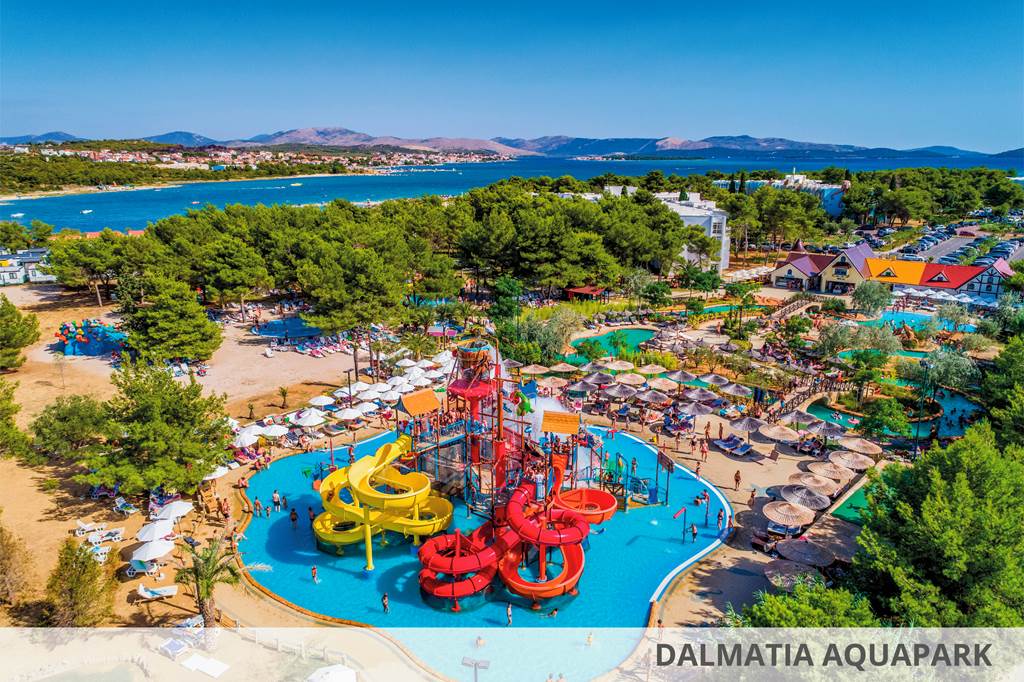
<point x="12" y="440"/>
<point x="80" y="591"/>
<point x="16" y="332"/>
<point x="173" y="325"/>
<point x="742" y="189"/>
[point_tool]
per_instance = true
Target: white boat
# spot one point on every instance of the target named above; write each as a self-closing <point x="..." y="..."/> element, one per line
<point x="296" y="184"/>
<point x="87" y="211"/>
<point x="17" y="215"/>
<point x="194" y="203"/>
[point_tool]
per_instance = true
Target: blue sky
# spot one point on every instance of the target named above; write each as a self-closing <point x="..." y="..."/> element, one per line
<point x="899" y="74"/>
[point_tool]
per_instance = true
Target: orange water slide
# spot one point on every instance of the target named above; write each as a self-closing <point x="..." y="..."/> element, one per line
<point x="554" y="586"/>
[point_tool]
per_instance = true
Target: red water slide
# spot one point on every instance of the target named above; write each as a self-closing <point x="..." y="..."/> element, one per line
<point x="457" y="565"/>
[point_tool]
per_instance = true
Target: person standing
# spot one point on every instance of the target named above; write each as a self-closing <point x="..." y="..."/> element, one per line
<point x="312" y="516"/>
<point x="508" y="614"/>
<point x="737" y="477"/>
<point x="385" y="603"/>
<point x="721" y="516"/>
<point x="276" y="498"/>
<point x="316" y="580"/>
<point x="693" y="532"/>
<point x="294" y="516"/>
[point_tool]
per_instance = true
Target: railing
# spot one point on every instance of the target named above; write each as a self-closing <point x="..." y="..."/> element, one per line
<point x="816" y="391"/>
<point x="805" y="299"/>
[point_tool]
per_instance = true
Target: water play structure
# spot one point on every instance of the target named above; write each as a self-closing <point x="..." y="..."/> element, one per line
<point x="372" y="495"/>
<point x="536" y="499"/>
<point x="89" y="337"/>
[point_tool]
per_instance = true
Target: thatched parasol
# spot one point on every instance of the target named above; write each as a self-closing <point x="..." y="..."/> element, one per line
<point x="594" y="366"/>
<point x="652" y="369"/>
<point x="786" y="575"/>
<point x="631" y="379"/>
<point x="801" y="494"/>
<point x="780" y="433"/>
<point x="747" y="424"/>
<point x="714" y="379"/>
<point x="511" y="364"/>
<point x="599" y="378"/>
<point x="819" y="484"/>
<point x="534" y="369"/>
<point x="680" y="376"/>
<point x="827" y="429"/>
<point x="661" y="384"/>
<point x="861" y="446"/>
<point x="619" y="392"/>
<point x="696" y="409"/>
<point x="552" y="382"/>
<point x="564" y="367"/>
<point x="798" y="417"/>
<point x="805" y="552"/>
<point x="700" y="394"/>
<point x="831" y="470"/>
<point x="652" y="396"/>
<point x="851" y="460"/>
<point x="620" y="365"/>
<point x="582" y="387"/>
<point x="788" y="514"/>
<point x="737" y="390"/>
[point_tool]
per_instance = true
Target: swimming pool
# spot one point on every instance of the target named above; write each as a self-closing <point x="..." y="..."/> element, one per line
<point x="292" y="327"/>
<point x="953" y="405"/>
<point x="615" y="591"/>
<point x="634" y="337"/>
<point x="913" y="320"/>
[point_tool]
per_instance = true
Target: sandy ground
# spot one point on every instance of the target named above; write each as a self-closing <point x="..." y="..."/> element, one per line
<point x="238" y="368"/>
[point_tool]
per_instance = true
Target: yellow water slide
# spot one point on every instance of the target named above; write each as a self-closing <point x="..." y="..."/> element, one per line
<point x="371" y="495"/>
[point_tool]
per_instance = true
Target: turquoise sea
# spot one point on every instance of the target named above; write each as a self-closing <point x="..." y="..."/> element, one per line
<point x="123" y="210"/>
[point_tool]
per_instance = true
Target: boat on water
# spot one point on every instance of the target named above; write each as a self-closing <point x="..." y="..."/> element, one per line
<point x="17" y="215"/>
<point x="86" y="211"/>
<point x="195" y="203"/>
<point x="296" y="184"/>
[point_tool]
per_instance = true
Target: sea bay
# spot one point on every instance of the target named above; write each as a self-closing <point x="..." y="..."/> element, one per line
<point x="123" y="210"/>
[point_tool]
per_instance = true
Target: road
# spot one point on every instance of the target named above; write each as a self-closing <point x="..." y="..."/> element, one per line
<point x="942" y="248"/>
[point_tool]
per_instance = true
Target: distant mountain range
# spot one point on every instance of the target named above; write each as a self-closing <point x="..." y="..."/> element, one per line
<point x="556" y="146"/>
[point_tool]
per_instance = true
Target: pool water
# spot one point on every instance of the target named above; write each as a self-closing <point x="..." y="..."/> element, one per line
<point x="914" y="320"/>
<point x="629" y="559"/>
<point x="292" y="327"/>
<point x="949" y="425"/>
<point x="634" y="337"/>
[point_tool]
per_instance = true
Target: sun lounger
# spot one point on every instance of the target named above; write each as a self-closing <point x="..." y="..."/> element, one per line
<point x="174" y="648"/>
<point x="729" y="444"/>
<point x="150" y="568"/>
<point x="151" y="593"/>
<point x="742" y="449"/>
<point x="210" y="667"/>
<point x="84" y="528"/>
<point x="100" y="552"/>
<point x="125" y="507"/>
<point x="100" y="537"/>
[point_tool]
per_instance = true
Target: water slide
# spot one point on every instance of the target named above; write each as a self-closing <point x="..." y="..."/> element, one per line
<point x="457" y="566"/>
<point x="594" y="505"/>
<point x="372" y="492"/>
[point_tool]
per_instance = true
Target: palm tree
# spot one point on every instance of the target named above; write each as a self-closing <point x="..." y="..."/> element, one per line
<point x="419" y="345"/>
<point x="618" y="341"/>
<point x="283" y="392"/>
<point x="211" y="566"/>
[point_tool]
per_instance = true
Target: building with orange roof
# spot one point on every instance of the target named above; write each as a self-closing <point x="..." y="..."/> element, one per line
<point x="895" y="271"/>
